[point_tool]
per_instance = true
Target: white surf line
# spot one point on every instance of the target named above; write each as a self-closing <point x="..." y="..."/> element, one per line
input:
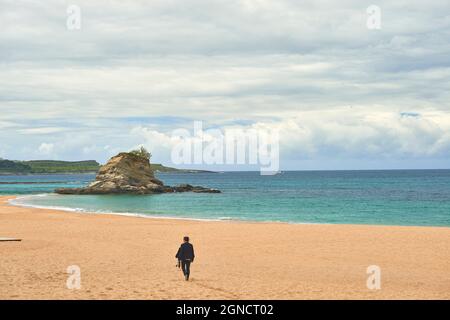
<point x="14" y="202"/>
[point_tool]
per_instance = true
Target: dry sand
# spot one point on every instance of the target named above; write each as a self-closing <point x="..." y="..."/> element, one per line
<point x="133" y="258"/>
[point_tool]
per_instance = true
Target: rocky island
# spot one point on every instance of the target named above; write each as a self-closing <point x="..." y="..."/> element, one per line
<point x="130" y="173"/>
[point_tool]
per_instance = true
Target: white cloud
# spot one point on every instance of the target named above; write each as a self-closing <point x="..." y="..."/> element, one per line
<point x="40" y="130"/>
<point x="46" y="148"/>
<point x="348" y="132"/>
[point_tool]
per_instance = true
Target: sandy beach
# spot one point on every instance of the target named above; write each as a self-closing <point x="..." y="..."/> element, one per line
<point x="133" y="258"/>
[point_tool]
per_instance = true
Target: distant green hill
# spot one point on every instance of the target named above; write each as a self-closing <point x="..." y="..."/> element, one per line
<point x="52" y="167"/>
<point x="13" y="167"/>
<point x="157" y="167"/>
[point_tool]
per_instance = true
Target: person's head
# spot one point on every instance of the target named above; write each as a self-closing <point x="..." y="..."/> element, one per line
<point x="186" y="239"/>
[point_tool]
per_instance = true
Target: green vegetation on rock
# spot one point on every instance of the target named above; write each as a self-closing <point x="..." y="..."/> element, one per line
<point x="141" y="152"/>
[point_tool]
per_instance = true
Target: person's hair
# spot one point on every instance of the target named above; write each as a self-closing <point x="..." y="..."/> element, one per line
<point x="186" y="238"/>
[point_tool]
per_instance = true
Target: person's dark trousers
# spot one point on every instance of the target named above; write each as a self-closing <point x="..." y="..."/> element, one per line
<point x="186" y="267"/>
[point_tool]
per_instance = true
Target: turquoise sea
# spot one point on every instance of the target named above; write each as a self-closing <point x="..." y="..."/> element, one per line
<point x="391" y="197"/>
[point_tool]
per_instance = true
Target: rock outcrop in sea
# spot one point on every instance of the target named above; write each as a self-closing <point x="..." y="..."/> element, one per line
<point x="129" y="173"/>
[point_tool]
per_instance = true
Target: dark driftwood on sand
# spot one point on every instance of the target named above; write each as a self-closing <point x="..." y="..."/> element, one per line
<point x="9" y="239"/>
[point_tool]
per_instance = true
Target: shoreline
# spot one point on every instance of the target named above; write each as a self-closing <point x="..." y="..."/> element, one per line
<point x="149" y="216"/>
<point x="122" y="257"/>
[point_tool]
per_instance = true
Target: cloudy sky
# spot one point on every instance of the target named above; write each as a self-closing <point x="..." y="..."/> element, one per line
<point x="342" y="96"/>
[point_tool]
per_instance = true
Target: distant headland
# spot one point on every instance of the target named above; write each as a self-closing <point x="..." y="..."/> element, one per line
<point x="13" y="167"/>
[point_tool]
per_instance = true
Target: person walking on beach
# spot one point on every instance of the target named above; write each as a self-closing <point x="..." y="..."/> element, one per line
<point x="185" y="256"/>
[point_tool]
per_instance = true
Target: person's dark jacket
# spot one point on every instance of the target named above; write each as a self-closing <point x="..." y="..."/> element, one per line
<point x="186" y="252"/>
